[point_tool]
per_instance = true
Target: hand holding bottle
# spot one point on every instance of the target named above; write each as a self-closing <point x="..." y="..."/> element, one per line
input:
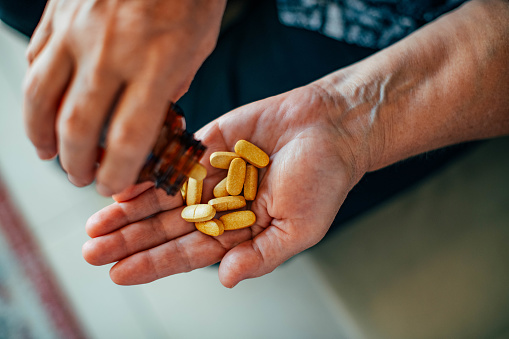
<point x="89" y="58"/>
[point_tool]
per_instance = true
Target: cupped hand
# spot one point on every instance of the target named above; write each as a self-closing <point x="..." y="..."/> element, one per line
<point x="89" y="58"/>
<point x="311" y="170"/>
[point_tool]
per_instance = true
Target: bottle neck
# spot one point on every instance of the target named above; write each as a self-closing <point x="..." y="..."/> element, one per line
<point x="174" y="155"/>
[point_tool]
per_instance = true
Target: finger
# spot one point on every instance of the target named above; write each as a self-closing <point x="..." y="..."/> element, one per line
<point x="81" y="119"/>
<point x="138" y="119"/>
<point x="44" y="86"/>
<point x="133" y="130"/>
<point x="243" y="122"/>
<point x="132" y="191"/>
<point x="42" y="32"/>
<point x="118" y="215"/>
<point x="191" y="251"/>
<point x="261" y="255"/>
<point x="136" y="237"/>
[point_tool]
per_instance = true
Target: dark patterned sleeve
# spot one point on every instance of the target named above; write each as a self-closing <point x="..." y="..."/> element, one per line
<point x="369" y="23"/>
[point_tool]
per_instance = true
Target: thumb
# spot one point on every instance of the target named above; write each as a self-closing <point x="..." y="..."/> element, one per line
<point x="132" y="191"/>
<point x="261" y="255"/>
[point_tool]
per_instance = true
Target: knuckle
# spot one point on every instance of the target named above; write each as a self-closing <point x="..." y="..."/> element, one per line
<point x="74" y="127"/>
<point x="31" y="86"/>
<point x="35" y="99"/>
<point x="30" y="54"/>
<point x="183" y="255"/>
<point x="100" y="70"/>
<point x="127" y="140"/>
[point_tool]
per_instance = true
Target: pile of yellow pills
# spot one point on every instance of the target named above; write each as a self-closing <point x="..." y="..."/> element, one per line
<point x="241" y="178"/>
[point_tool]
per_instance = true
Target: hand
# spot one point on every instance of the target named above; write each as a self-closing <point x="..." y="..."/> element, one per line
<point x="310" y="172"/>
<point x="89" y="58"/>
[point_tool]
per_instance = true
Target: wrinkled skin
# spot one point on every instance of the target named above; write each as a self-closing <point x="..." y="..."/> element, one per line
<point x="310" y="172"/>
<point x="90" y="58"/>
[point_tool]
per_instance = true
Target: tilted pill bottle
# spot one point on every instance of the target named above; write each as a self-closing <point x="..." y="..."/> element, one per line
<point x="175" y="155"/>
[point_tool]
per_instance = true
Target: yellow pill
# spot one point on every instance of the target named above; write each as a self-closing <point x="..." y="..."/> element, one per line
<point x="198" y="172"/>
<point x="251" y="182"/>
<point x="236" y="176"/>
<point x="238" y="220"/>
<point x="251" y="153"/>
<point x="194" y="191"/>
<point x="212" y="227"/>
<point x="220" y="189"/>
<point x="183" y="191"/>
<point x="228" y="203"/>
<point x="222" y="159"/>
<point x="197" y="213"/>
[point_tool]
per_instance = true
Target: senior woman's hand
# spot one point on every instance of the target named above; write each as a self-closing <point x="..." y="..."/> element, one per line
<point x="311" y="170"/>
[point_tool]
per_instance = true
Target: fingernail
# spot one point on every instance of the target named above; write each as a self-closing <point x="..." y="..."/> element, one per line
<point x="103" y="190"/>
<point x="72" y="179"/>
<point x="77" y="182"/>
<point x="45" y="154"/>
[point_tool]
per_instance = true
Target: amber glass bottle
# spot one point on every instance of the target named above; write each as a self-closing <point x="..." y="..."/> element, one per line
<point x="175" y="155"/>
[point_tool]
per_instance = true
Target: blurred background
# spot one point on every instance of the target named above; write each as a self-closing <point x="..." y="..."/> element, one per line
<point x="431" y="263"/>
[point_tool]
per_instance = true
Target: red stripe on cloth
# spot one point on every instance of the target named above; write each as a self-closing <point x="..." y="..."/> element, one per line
<point x="30" y="258"/>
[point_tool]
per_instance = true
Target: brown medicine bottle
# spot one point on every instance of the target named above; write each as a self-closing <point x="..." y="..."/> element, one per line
<point x="175" y="156"/>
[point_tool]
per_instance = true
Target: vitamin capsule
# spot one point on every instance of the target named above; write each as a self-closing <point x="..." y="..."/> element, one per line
<point x="222" y="159"/>
<point x="183" y="191"/>
<point x="251" y="182"/>
<point x="228" y="203"/>
<point x="198" y="172"/>
<point x="220" y="189"/>
<point x="238" y="220"/>
<point x="251" y="153"/>
<point x="212" y="227"/>
<point x="194" y="190"/>
<point x="197" y="213"/>
<point x="236" y="176"/>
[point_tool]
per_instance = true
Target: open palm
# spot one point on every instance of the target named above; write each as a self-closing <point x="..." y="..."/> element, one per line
<point x="311" y="171"/>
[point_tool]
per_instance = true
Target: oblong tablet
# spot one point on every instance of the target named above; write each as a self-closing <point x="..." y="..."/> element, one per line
<point x="251" y="153"/>
<point x="212" y="227"/>
<point x="222" y="159"/>
<point x="228" y="203"/>
<point x="198" y="172"/>
<point x="251" y="182"/>
<point x="238" y="220"/>
<point x="194" y="191"/>
<point x="220" y="189"/>
<point x="183" y="191"/>
<point x="197" y="213"/>
<point x="236" y="176"/>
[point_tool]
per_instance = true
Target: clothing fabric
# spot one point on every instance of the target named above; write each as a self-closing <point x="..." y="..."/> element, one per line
<point x="22" y="15"/>
<point x="368" y="23"/>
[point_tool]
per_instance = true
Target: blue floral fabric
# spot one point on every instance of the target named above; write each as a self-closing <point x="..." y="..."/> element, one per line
<point x="368" y="23"/>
